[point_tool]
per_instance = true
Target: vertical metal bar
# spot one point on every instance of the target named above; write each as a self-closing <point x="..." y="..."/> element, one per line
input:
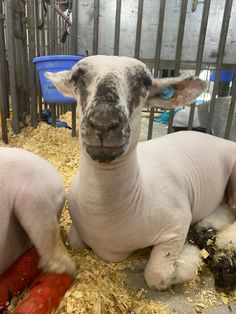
<point x="96" y="26"/>
<point x="31" y="67"/>
<point x="68" y="46"/>
<point x="157" y="59"/>
<point x="25" y="61"/>
<point x="74" y="44"/>
<point x="36" y="28"/>
<point x="53" y="110"/>
<point x="3" y="85"/>
<point x="117" y="28"/>
<point x="64" y="45"/>
<point x="47" y="44"/>
<point x="220" y="56"/>
<point x="4" y="125"/>
<point x="170" y="122"/>
<point x="73" y="113"/>
<point x="202" y="37"/>
<point x="138" y="29"/>
<point x="60" y="32"/>
<point x="183" y="11"/>
<point x="231" y="109"/>
<point x="150" y="123"/>
<point x="159" y="37"/>
<point x="3" y="73"/>
<point x="201" y="43"/>
<point x="52" y="28"/>
<point x="43" y="32"/>
<point x="57" y="110"/>
<point x="12" y="66"/>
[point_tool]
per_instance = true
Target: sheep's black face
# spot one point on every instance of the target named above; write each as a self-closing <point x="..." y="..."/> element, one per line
<point x="111" y="98"/>
<point x="105" y="129"/>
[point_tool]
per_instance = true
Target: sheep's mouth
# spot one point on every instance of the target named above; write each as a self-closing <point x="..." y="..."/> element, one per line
<point x="104" y="153"/>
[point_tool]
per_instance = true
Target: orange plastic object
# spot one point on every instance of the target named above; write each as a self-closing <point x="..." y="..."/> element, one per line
<point x="45" y="294"/>
<point x="18" y="276"/>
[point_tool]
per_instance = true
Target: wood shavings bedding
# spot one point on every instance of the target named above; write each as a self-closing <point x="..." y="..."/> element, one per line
<point x="100" y="287"/>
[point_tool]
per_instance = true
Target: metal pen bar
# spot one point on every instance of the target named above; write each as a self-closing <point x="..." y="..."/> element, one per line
<point x="150" y="123"/>
<point x="31" y="67"/>
<point x="3" y="74"/>
<point x="3" y="85"/>
<point x="159" y="37"/>
<point x="220" y="56"/>
<point x="183" y="11"/>
<point x="52" y="27"/>
<point x="73" y="114"/>
<point x="201" y="43"/>
<point x="231" y="110"/>
<point x="170" y="121"/>
<point x="12" y="66"/>
<point x="48" y="32"/>
<point x="36" y="6"/>
<point x="202" y="37"/>
<point x="138" y="29"/>
<point x="96" y="26"/>
<point x="43" y="32"/>
<point x="24" y="62"/>
<point x="117" y="28"/>
<point x="61" y="32"/>
<point x="157" y="59"/>
<point x="74" y="44"/>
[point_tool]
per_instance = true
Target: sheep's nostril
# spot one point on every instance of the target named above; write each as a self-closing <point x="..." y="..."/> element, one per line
<point x="92" y="124"/>
<point x="114" y="125"/>
<point x="103" y="124"/>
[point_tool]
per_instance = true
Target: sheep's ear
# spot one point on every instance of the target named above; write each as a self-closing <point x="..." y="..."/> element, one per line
<point x="186" y="90"/>
<point x="63" y="82"/>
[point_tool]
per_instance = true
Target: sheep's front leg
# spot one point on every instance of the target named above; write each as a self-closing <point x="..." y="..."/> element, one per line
<point x="163" y="268"/>
<point x="160" y="269"/>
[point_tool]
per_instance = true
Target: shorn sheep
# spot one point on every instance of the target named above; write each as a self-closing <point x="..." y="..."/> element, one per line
<point x="32" y="196"/>
<point x="131" y="195"/>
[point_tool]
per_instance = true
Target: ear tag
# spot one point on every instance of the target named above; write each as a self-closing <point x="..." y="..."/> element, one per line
<point x="167" y="93"/>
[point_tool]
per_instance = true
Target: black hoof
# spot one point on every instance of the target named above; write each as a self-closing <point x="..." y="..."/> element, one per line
<point x="204" y="238"/>
<point x="223" y="268"/>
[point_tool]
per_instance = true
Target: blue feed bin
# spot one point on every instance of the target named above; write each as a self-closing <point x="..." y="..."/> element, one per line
<point x="225" y="76"/>
<point x="54" y="63"/>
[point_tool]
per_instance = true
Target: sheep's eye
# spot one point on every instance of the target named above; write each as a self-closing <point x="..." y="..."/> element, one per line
<point x="79" y="75"/>
<point x="147" y="82"/>
<point x="81" y="72"/>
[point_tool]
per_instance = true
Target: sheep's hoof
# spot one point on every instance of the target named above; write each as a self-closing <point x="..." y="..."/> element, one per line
<point x="204" y="238"/>
<point x="223" y="268"/>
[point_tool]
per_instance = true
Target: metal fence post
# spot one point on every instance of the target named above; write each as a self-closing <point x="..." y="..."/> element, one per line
<point x="31" y="67"/>
<point x="12" y="66"/>
<point x="4" y="103"/>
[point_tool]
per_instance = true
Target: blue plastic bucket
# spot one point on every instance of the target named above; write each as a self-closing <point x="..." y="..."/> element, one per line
<point x="54" y="63"/>
<point x="225" y="76"/>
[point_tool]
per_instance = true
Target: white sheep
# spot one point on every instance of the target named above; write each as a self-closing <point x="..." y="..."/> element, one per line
<point x="32" y="196"/>
<point x="131" y="195"/>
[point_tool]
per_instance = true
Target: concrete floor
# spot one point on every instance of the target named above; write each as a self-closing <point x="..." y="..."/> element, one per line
<point x="184" y="298"/>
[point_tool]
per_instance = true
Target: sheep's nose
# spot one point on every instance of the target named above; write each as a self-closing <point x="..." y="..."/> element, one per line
<point x="103" y="124"/>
